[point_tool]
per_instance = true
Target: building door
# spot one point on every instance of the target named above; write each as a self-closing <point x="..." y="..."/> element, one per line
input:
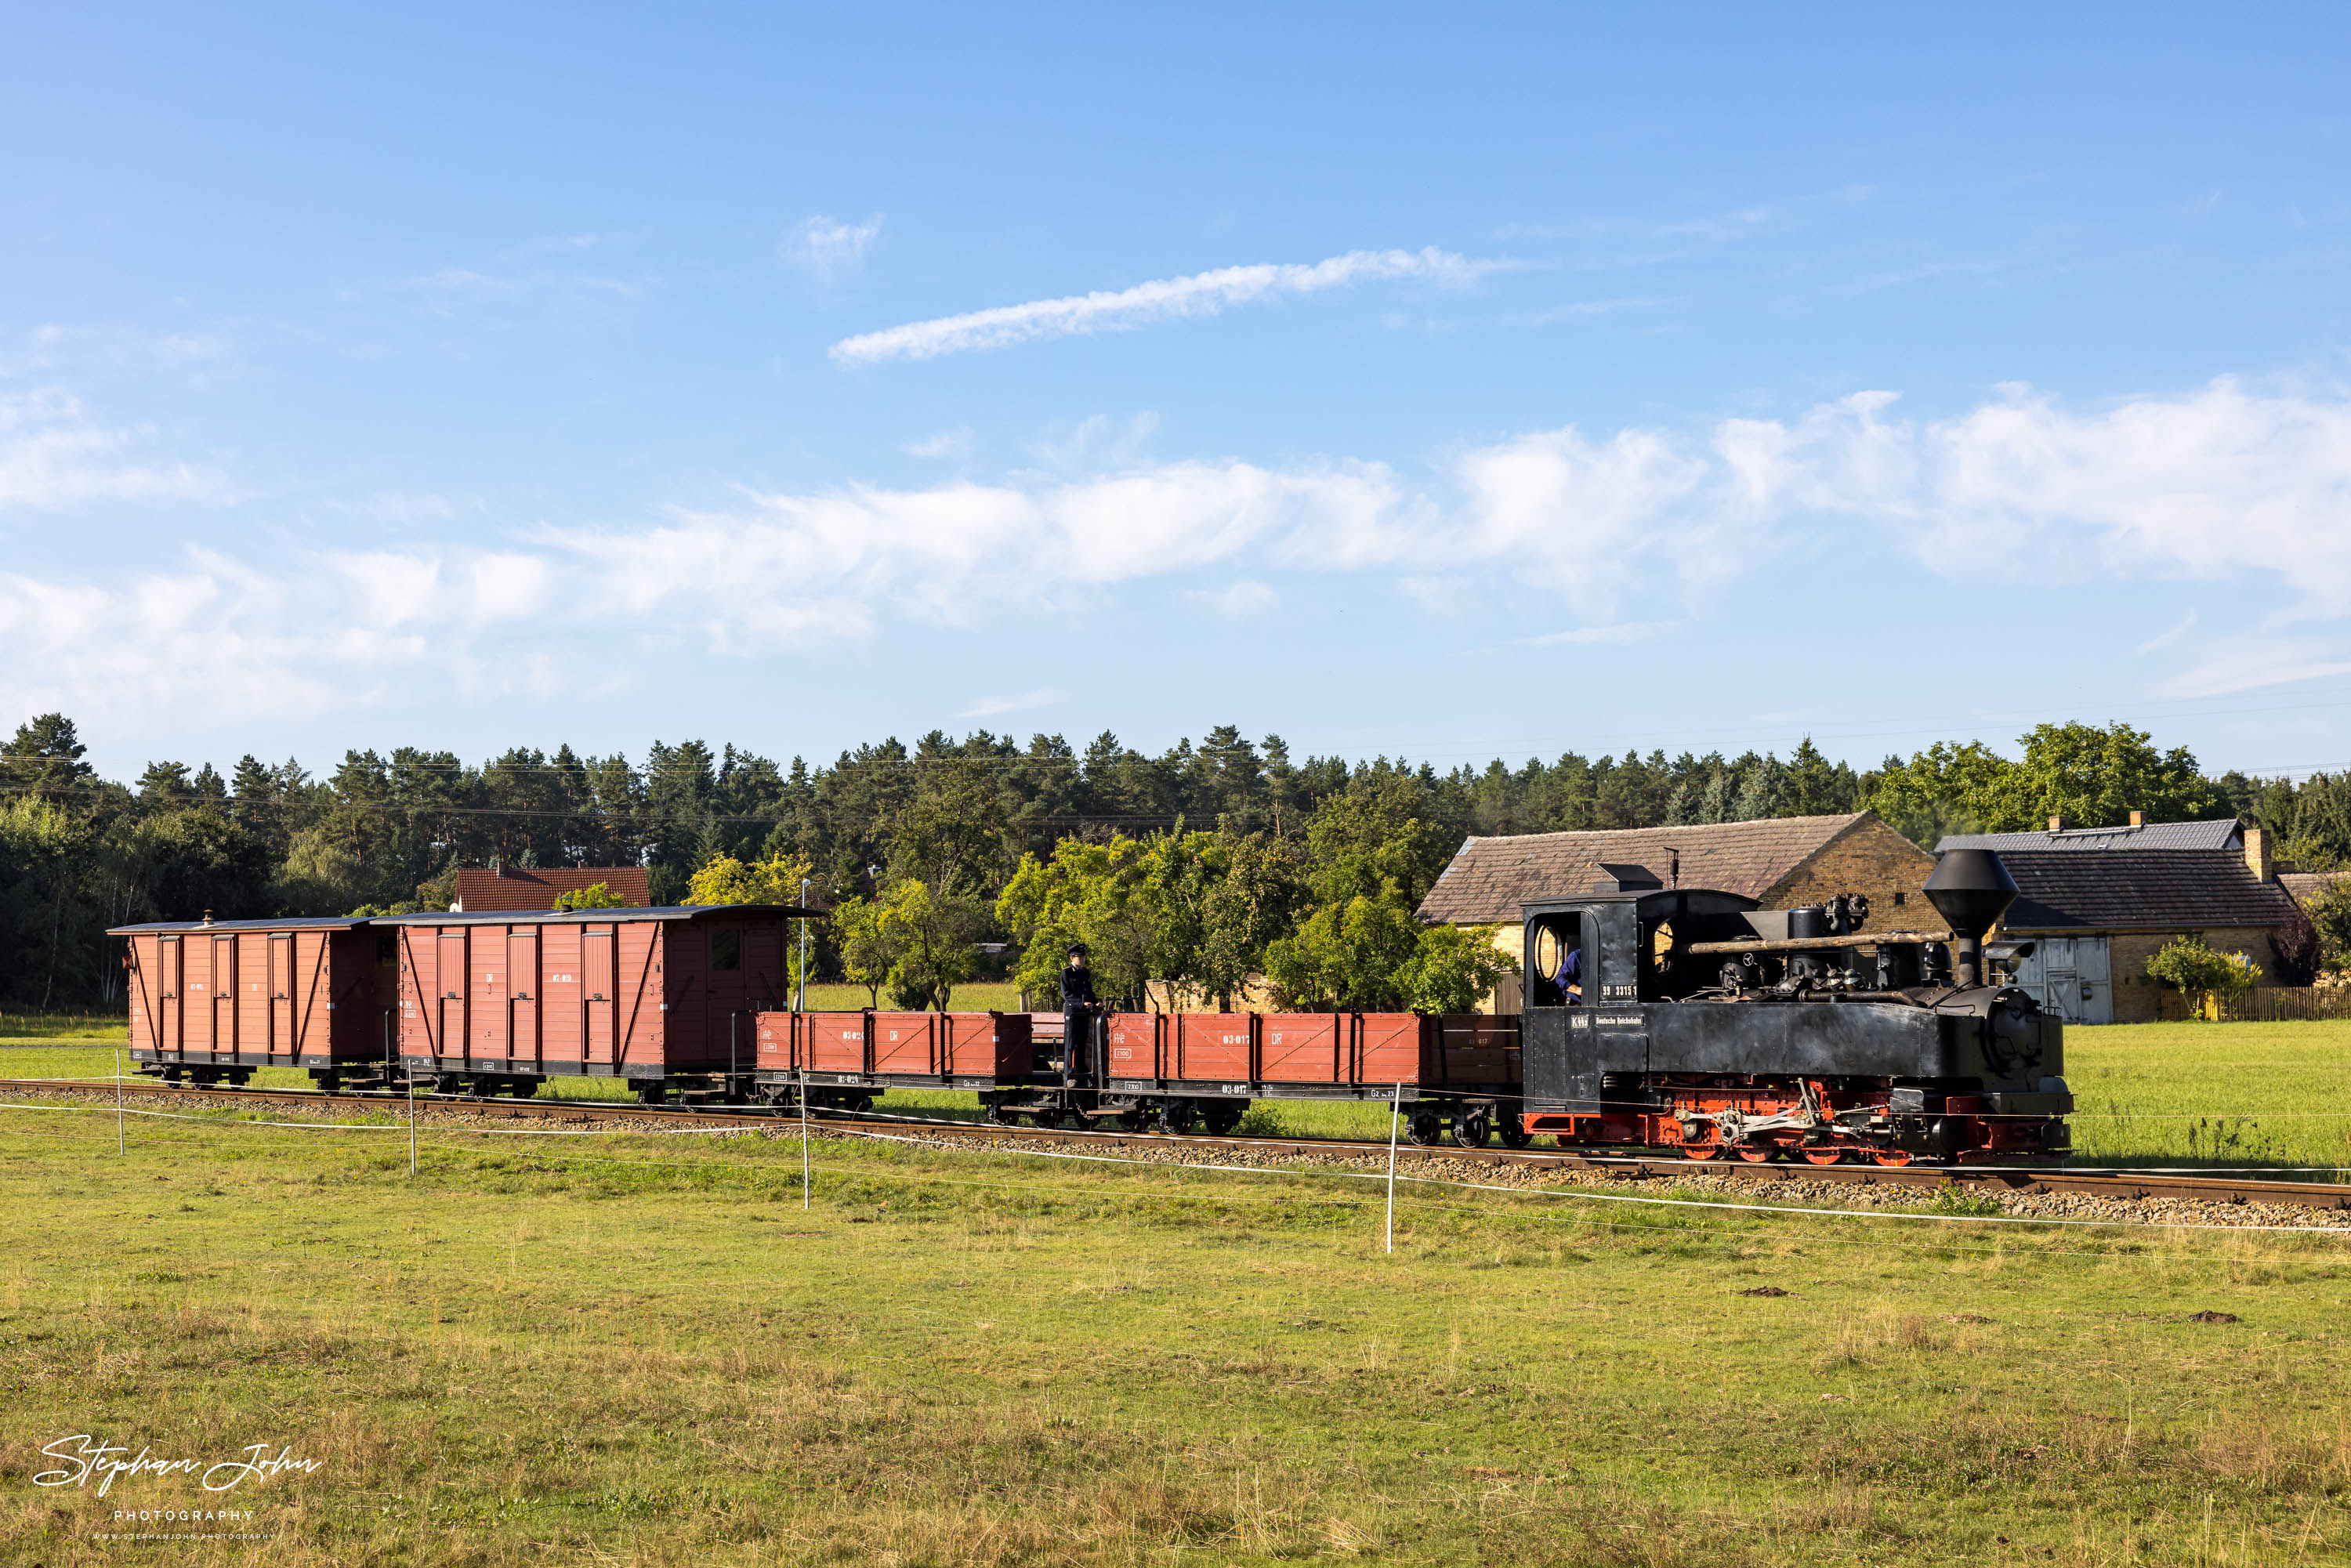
<point x="2060" y="990"/>
<point x="2093" y="972"/>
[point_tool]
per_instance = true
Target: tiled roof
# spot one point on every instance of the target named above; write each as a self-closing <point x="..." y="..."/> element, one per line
<point x="2306" y="885"/>
<point x="481" y="888"/>
<point x="1490" y="878"/>
<point x="2223" y="834"/>
<point x="2162" y="890"/>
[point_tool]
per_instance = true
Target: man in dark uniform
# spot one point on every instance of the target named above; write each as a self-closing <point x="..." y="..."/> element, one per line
<point x="1077" y="1014"/>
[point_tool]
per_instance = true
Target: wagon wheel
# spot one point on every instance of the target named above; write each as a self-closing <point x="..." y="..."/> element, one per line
<point x="1894" y="1159"/>
<point x="1133" y="1121"/>
<point x="1177" y="1116"/>
<point x="1471" y="1129"/>
<point x="1513" y="1128"/>
<point x="1828" y="1154"/>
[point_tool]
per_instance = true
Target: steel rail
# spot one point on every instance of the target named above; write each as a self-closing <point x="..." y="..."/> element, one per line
<point x="2124" y="1184"/>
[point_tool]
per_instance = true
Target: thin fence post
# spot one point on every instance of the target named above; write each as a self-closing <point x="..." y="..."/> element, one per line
<point x="1396" y="1115"/>
<point x="412" y="1124"/>
<point x="118" y="1104"/>
<point x="804" y="1141"/>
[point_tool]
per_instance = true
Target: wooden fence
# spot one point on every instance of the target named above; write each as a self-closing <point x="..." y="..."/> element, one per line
<point x="2263" y="1004"/>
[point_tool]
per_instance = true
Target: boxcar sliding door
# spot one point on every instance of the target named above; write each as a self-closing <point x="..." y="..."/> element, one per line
<point x="522" y="993"/>
<point x="168" y="964"/>
<point x="596" y="974"/>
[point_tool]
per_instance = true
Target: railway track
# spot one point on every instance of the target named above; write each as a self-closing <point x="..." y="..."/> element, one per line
<point x="2125" y="1184"/>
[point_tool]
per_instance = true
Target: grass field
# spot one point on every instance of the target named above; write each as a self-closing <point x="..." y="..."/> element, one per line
<point x="641" y="1350"/>
<point x="2187" y="1094"/>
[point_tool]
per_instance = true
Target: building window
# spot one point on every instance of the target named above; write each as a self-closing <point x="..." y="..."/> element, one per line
<point x="727" y="947"/>
<point x="1900" y="899"/>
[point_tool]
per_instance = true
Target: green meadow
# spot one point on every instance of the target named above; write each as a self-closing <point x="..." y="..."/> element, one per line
<point x="642" y="1349"/>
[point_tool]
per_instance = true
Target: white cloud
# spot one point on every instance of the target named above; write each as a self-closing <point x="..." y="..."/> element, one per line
<point x="1201" y="294"/>
<point x="54" y="453"/>
<point x="992" y="707"/>
<point x="955" y="445"/>
<point x="827" y="249"/>
<point x="1614" y="533"/>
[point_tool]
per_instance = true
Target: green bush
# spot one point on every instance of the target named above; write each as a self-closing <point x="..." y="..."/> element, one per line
<point x="2189" y="965"/>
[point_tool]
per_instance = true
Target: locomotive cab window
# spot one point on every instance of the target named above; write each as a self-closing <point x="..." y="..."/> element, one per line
<point x="1555" y="975"/>
<point x="725" y="947"/>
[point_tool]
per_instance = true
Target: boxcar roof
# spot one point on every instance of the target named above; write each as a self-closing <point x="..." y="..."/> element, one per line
<point x="291" y="922"/>
<point x="593" y="916"/>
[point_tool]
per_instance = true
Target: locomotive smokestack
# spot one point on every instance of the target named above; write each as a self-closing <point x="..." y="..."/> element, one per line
<point x="1973" y="890"/>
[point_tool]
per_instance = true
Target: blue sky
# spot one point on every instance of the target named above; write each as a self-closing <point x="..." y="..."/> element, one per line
<point x="1460" y="383"/>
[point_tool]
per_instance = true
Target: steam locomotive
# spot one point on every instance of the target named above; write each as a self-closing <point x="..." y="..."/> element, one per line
<point x="1723" y="1031"/>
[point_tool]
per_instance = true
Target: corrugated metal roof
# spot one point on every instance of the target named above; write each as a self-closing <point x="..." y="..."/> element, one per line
<point x="2161" y="890"/>
<point x="592" y="916"/>
<point x="291" y="922"/>
<point x="1490" y="878"/>
<point x="2223" y="834"/>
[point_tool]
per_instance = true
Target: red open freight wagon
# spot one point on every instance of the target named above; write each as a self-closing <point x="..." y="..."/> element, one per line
<point x="1350" y="1056"/>
<point x="665" y="999"/>
<point x="213" y="1000"/>
<point x="845" y="1058"/>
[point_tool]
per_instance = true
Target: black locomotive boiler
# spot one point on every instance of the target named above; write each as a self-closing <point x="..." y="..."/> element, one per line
<point x="1692" y="1019"/>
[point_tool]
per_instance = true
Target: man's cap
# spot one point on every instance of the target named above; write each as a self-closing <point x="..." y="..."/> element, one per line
<point x="1078" y="950"/>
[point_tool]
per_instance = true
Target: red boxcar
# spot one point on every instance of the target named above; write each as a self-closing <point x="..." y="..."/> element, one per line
<point x="649" y="996"/>
<point x="870" y="1051"/>
<point x="215" y="1000"/>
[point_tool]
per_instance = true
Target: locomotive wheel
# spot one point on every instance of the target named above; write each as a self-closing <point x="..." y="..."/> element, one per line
<point x="1756" y="1154"/>
<point x="1513" y="1128"/>
<point x="1827" y="1157"/>
<point x="1892" y="1159"/>
<point x="1708" y="1150"/>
